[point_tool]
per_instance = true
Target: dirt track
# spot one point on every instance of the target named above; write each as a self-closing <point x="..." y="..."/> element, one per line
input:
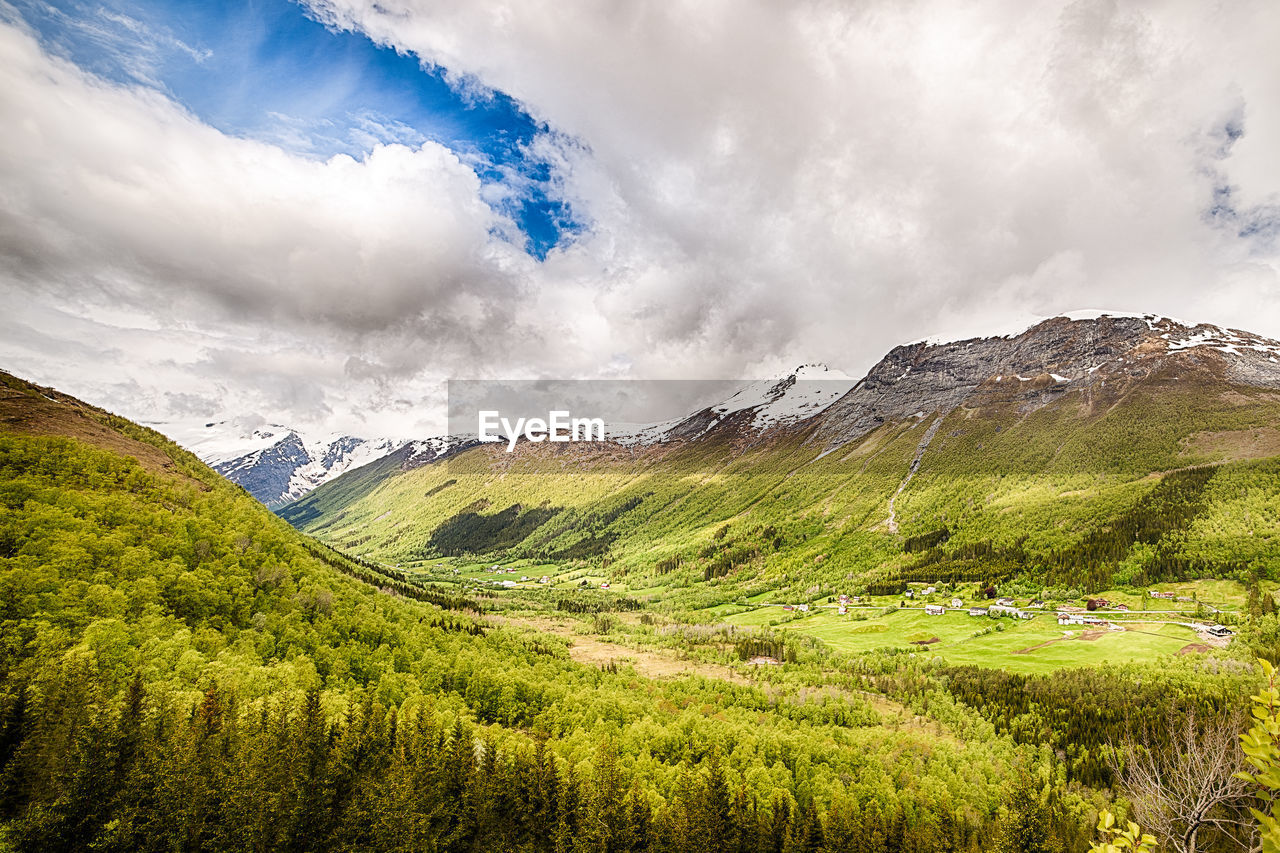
<point x="1087" y="636"/>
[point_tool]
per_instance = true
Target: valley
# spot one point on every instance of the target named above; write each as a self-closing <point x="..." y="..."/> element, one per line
<point x="609" y="646"/>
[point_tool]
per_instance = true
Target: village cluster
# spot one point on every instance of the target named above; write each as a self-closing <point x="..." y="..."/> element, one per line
<point x="1093" y="615"/>
<point x="1007" y="607"/>
<point x="545" y="579"/>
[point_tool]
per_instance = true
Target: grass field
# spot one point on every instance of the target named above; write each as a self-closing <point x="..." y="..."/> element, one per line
<point x="1027" y="646"/>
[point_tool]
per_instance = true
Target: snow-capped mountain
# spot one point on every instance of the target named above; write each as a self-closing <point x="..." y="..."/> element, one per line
<point x="1030" y="365"/>
<point x="1078" y="368"/>
<point x="756" y="408"/>
<point x="274" y="463"/>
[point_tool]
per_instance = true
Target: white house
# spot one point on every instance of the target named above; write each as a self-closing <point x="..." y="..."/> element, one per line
<point x="934" y="609"/>
<point x="928" y="590"/>
<point x="977" y="611"/>
<point x="1004" y="602"/>
<point x="804" y="608"/>
<point x="957" y="603"/>
<point x="843" y="610"/>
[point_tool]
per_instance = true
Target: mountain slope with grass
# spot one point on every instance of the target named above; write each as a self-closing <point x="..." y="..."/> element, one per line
<point x="1080" y="452"/>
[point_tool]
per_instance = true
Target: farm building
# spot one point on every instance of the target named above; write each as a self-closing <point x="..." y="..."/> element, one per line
<point x="1004" y="602"/>
<point x="977" y="611"/>
<point x="934" y="609"/>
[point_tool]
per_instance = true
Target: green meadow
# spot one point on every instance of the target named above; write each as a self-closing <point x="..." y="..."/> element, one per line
<point x="1036" y="645"/>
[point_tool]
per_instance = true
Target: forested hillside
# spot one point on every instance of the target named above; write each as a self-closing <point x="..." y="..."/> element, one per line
<point x="180" y="670"/>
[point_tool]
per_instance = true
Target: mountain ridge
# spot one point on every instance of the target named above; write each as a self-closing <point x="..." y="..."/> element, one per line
<point x="1024" y="450"/>
<point x="1097" y="350"/>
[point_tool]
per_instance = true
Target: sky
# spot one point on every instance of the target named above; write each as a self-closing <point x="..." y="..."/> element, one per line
<point x="314" y="213"/>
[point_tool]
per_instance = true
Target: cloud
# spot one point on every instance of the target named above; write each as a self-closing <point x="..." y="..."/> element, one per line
<point x="117" y="201"/>
<point x="775" y="175"/>
<point x="760" y="185"/>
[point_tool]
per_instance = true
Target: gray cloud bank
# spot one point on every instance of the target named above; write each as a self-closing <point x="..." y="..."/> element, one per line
<point x="764" y="184"/>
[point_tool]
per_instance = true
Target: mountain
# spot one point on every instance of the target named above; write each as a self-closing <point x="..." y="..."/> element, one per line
<point x="274" y="463"/>
<point x="756" y="408"/>
<point x="1081" y="450"/>
<point x="1102" y="356"/>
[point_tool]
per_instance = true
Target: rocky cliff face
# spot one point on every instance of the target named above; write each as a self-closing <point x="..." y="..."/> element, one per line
<point x="1106" y="354"/>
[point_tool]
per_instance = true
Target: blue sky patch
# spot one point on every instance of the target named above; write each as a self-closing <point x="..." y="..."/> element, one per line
<point x="266" y="70"/>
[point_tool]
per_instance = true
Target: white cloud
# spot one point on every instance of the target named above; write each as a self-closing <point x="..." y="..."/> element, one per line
<point x="764" y="184"/>
<point x="232" y="255"/>
<point x="774" y="176"/>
